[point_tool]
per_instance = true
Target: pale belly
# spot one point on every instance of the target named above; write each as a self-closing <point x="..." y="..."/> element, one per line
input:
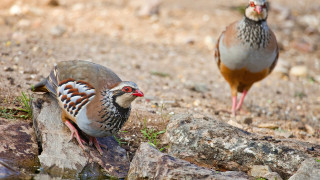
<point x="86" y="126"/>
<point x="245" y="57"/>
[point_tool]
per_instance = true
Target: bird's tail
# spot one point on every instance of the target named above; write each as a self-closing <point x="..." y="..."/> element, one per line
<point x="49" y="84"/>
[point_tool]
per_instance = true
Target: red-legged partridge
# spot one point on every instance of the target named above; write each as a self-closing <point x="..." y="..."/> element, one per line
<point x="247" y="51"/>
<point x="91" y="96"/>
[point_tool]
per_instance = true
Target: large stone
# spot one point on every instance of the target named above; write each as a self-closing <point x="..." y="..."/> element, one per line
<point x="211" y="143"/>
<point x="149" y="163"/>
<point x="18" y="149"/>
<point x="62" y="158"/>
<point x="309" y="170"/>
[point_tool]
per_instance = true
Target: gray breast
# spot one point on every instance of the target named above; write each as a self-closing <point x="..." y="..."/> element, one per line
<point x="250" y="53"/>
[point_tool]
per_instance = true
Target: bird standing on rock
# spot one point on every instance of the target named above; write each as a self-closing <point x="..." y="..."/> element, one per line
<point x="247" y="51"/>
<point x="91" y="96"/>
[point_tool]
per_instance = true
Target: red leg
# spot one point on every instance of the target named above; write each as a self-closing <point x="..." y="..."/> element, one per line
<point x="74" y="131"/>
<point x="241" y="100"/>
<point x="96" y="144"/>
<point x="234" y="105"/>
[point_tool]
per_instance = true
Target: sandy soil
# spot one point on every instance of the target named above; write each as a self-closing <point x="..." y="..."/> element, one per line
<point x="170" y="57"/>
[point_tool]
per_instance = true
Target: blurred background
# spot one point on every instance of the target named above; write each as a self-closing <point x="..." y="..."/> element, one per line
<point x="167" y="48"/>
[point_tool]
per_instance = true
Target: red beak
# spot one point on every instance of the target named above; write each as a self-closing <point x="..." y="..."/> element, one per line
<point x="258" y="9"/>
<point x="138" y="93"/>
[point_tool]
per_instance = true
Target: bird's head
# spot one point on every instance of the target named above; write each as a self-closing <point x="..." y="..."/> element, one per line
<point x="125" y="92"/>
<point x="257" y="10"/>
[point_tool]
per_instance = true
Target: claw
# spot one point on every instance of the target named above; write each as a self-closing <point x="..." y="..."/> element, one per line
<point x="96" y="144"/>
<point x="74" y="131"/>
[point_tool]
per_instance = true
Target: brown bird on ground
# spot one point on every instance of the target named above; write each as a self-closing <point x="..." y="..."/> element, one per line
<point x="247" y="51"/>
<point x="91" y="96"/>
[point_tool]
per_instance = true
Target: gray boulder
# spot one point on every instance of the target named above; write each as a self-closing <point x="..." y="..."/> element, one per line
<point x="61" y="158"/>
<point x="211" y="143"/>
<point x="309" y="170"/>
<point x="149" y="163"/>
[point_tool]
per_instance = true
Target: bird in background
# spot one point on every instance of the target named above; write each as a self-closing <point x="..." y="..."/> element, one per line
<point x="92" y="97"/>
<point x="247" y="51"/>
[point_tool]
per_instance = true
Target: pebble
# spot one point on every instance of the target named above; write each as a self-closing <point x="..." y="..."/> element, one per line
<point x="247" y="120"/>
<point x="15" y="10"/>
<point x="310" y="129"/>
<point x="199" y="88"/>
<point x="78" y="7"/>
<point x="210" y="42"/>
<point x="259" y="171"/>
<point x="282" y="67"/>
<point x="196" y="102"/>
<point x="53" y="3"/>
<point x="285" y="134"/>
<point x="317" y="78"/>
<point x="58" y="31"/>
<point x="8" y="69"/>
<point x="235" y="124"/>
<point x="149" y="8"/>
<point x="300" y="71"/>
<point x="272" y="175"/>
<point x="268" y="125"/>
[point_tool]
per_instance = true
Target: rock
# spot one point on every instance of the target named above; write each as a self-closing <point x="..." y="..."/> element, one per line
<point x="149" y="8"/>
<point x="58" y="31"/>
<point x="201" y="88"/>
<point x="317" y="78"/>
<point x="211" y="143"/>
<point x="310" y="129"/>
<point x="282" y="67"/>
<point x="268" y="125"/>
<point x="247" y="120"/>
<point x="259" y="171"/>
<point x="149" y="163"/>
<point x="283" y="133"/>
<point x="272" y="176"/>
<point x="300" y="71"/>
<point x="235" y="124"/>
<point x="15" y="10"/>
<point x="210" y="42"/>
<point x="18" y="148"/>
<point x="53" y="3"/>
<point x="62" y="158"/>
<point x="309" y="170"/>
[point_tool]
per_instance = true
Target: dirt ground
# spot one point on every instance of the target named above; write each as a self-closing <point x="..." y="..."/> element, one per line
<point x="170" y="56"/>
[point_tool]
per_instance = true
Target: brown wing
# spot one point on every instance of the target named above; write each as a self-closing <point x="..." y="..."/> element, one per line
<point x="273" y="65"/>
<point x="229" y="38"/>
<point x="217" y="52"/>
<point x="95" y="74"/>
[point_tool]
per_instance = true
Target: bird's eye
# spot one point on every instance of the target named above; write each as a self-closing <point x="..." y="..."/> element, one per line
<point x="127" y="89"/>
<point x="252" y="4"/>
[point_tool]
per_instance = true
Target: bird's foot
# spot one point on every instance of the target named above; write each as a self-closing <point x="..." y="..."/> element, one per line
<point x="93" y="140"/>
<point x="74" y="133"/>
